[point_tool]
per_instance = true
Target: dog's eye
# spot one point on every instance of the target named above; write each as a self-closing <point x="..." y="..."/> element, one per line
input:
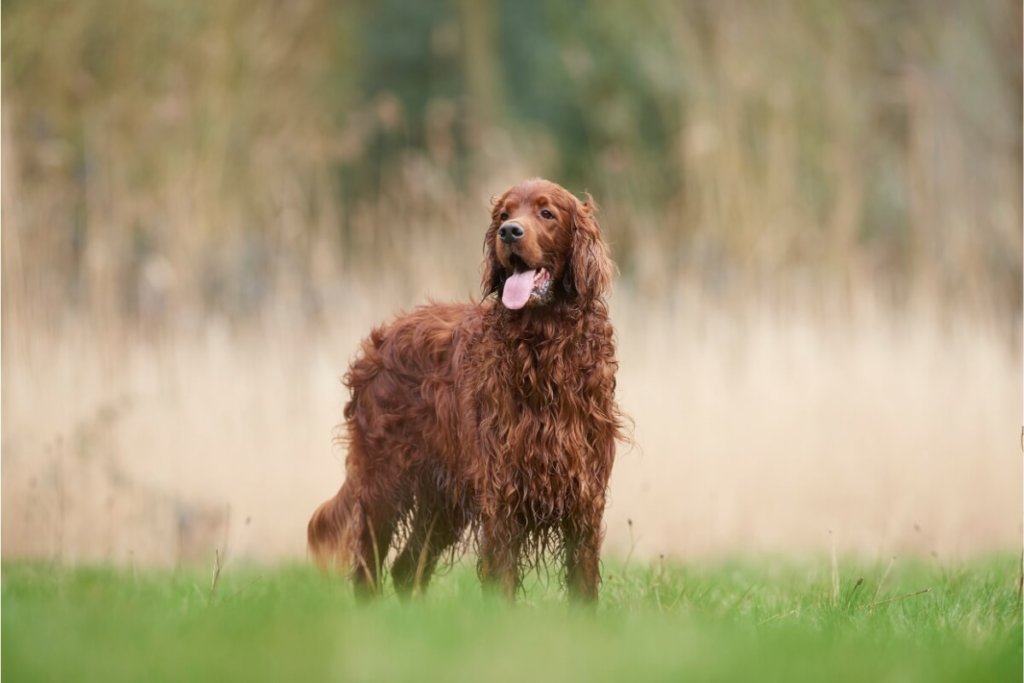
<point x="504" y="216"/>
<point x="546" y="214"/>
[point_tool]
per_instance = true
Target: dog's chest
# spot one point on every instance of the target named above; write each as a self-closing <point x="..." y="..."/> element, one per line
<point x="539" y="415"/>
<point x="534" y="395"/>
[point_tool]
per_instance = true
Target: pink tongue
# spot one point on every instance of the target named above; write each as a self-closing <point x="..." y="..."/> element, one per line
<point x="517" y="290"/>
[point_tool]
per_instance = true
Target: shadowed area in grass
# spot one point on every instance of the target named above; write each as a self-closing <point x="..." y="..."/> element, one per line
<point x="727" y="621"/>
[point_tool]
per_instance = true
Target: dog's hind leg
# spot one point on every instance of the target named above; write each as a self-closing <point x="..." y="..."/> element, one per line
<point x="434" y="530"/>
<point x="352" y="533"/>
<point x="373" y="525"/>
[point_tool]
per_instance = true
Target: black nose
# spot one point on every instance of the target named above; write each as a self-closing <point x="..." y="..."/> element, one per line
<point x="511" y="232"/>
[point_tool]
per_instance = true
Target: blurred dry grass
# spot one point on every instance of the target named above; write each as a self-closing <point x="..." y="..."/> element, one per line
<point x="816" y="209"/>
<point x="756" y="431"/>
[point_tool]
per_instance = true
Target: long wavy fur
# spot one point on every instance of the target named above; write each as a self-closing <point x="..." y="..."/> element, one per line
<point x="476" y="425"/>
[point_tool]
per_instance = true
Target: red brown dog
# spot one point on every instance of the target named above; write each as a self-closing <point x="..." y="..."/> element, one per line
<point x="494" y="421"/>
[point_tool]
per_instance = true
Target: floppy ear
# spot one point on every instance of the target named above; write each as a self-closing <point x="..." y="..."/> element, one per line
<point x="492" y="275"/>
<point x="590" y="265"/>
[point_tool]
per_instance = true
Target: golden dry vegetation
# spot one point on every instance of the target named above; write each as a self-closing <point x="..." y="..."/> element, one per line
<point x="816" y="211"/>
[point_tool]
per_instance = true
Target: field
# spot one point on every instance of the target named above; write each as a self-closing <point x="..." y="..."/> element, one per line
<point x="815" y="211"/>
<point x="904" y="621"/>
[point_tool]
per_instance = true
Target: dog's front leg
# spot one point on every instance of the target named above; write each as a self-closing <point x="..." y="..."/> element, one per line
<point x="583" y="552"/>
<point x="498" y="567"/>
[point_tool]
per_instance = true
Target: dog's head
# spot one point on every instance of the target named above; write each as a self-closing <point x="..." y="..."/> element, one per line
<point x="544" y="245"/>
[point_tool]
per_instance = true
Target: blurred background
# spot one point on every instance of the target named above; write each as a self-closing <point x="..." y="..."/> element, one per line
<point x="815" y="208"/>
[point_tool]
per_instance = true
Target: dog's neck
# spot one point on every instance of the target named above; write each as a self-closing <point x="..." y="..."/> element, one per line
<point x="547" y="350"/>
<point x="554" y="323"/>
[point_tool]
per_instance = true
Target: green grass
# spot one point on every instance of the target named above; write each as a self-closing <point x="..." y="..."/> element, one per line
<point x="734" y="621"/>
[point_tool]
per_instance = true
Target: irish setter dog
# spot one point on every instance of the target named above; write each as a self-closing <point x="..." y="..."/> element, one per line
<point x="494" y="421"/>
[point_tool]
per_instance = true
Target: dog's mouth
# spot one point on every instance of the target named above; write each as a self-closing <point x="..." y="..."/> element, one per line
<point x="525" y="285"/>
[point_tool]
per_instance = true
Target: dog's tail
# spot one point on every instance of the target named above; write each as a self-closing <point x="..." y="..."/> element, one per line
<point x="329" y="531"/>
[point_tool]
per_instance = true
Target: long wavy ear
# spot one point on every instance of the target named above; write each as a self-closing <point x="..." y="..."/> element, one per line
<point x="590" y="265"/>
<point x="492" y="275"/>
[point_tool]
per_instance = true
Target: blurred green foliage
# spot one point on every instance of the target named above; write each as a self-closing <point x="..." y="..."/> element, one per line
<point x="213" y="156"/>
